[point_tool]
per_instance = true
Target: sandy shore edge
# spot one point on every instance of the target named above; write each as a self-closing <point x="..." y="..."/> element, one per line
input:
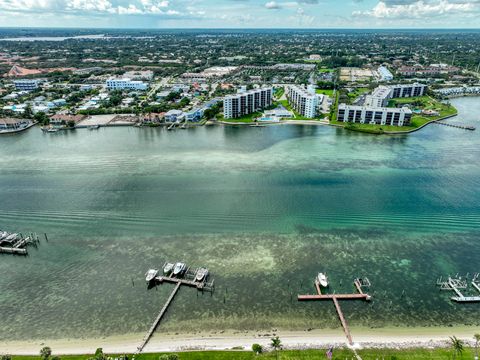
<point x="396" y="338"/>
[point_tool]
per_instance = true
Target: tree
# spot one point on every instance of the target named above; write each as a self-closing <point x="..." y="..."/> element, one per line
<point x="257" y="348"/>
<point x="276" y="344"/>
<point x="477" y="339"/>
<point x="42" y="118"/>
<point x="6" y="357"/>
<point x="99" y="355"/>
<point x="45" y="352"/>
<point x="27" y="113"/>
<point x="456" y="345"/>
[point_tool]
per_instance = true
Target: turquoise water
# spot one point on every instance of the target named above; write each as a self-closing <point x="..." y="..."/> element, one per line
<point x="265" y="208"/>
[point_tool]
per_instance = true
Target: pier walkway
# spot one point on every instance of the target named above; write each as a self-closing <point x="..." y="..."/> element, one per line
<point x="158" y="318"/>
<point x="455" y="284"/>
<point x="335" y="297"/>
<point x="458" y="126"/>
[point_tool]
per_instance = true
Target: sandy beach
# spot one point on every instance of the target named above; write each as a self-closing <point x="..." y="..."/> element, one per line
<point x="321" y="338"/>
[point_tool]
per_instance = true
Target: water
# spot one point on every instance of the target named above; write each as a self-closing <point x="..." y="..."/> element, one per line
<point x="264" y="208"/>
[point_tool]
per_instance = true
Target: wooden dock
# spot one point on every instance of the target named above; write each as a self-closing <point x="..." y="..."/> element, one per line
<point x="187" y="278"/>
<point x="458" y="126"/>
<point x="16" y="244"/>
<point x="13" y="250"/>
<point x="158" y="318"/>
<point x="335" y="297"/>
<point x="457" y="283"/>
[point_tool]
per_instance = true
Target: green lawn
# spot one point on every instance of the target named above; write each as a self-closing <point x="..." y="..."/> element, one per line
<point x="328" y="92"/>
<point x="325" y="70"/>
<point x="338" y="354"/>
<point x="244" y="119"/>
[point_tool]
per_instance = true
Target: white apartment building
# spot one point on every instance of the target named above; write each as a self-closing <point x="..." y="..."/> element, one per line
<point x="408" y="90"/>
<point x="374" y="115"/>
<point x="304" y="101"/>
<point x="246" y="102"/>
<point x="380" y="96"/>
<point x="125" y="84"/>
<point x="26" y="84"/>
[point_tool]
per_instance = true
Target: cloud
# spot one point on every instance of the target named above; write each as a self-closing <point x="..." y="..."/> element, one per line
<point x="272" y="5"/>
<point x="394" y="9"/>
<point x="93" y="7"/>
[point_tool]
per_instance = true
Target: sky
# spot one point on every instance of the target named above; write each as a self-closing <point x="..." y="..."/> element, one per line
<point x="241" y="13"/>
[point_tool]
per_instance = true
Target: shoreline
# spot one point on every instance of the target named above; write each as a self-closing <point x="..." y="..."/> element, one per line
<point x="380" y="338"/>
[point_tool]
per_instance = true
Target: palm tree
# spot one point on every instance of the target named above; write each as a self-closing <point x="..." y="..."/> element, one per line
<point x="456" y="345"/>
<point x="477" y="339"/>
<point x="276" y="344"/>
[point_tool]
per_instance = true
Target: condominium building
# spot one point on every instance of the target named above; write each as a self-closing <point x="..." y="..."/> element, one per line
<point x="304" y="101"/>
<point x="246" y="102"/>
<point x="408" y="90"/>
<point x="26" y="84"/>
<point x="125" y="84"/>
<point x="374" y="115"/>
<point x="379" y="97"/>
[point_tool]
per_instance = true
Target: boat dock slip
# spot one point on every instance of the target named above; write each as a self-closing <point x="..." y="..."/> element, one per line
<point x="359" y="284"/>
<point x="178" y="274"/>
<point x="456" y="283"/>
<point x="12" y="243"/>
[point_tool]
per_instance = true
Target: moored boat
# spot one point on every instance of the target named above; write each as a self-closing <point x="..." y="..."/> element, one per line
<point x="167" y="268"/>
<point x="150" y="274"/>
<point x="322" y="279"/>
<point x="201" y="274"/>
<point x="179" y="268"/>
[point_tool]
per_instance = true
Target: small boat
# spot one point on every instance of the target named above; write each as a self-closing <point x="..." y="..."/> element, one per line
<point x="167" y="269"/>
<point x="150" y="275"/>
<point x="201" y="275"/>
<point x="3" y="234"/>
<point x="179" y="268"/>
<point x="52" y="130"/>
<point x="322" y="279"/>
<point x="11" y="237"/>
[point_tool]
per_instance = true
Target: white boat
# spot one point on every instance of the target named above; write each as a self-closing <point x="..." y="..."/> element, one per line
<point x="201" y="274"/>
<point x="3" y="234"/>
<point x="179" y="268"/>
<point x="11" y="237"/>
<point x="167" y="269"/>
<point x="52" y="130"/>
<point x="150" y="274"/>
<point x="322" y="279"/>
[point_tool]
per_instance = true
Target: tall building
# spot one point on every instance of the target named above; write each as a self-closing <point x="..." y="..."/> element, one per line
<point x="408" y="90"/>
<point x="125" y="84"/>
<point x="246" y="102"/>
<point x="374" y="115"/>
<point x="379" y="97"/>
<point x="304" y="101"/>
<point x="26" y="84"/>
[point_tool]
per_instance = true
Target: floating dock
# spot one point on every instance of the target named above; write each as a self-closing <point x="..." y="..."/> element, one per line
<point x="187" y="278"/>
<point x="16" y="244"/>
<point x="359" y="284"/>
<point x="457" y="283"/>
